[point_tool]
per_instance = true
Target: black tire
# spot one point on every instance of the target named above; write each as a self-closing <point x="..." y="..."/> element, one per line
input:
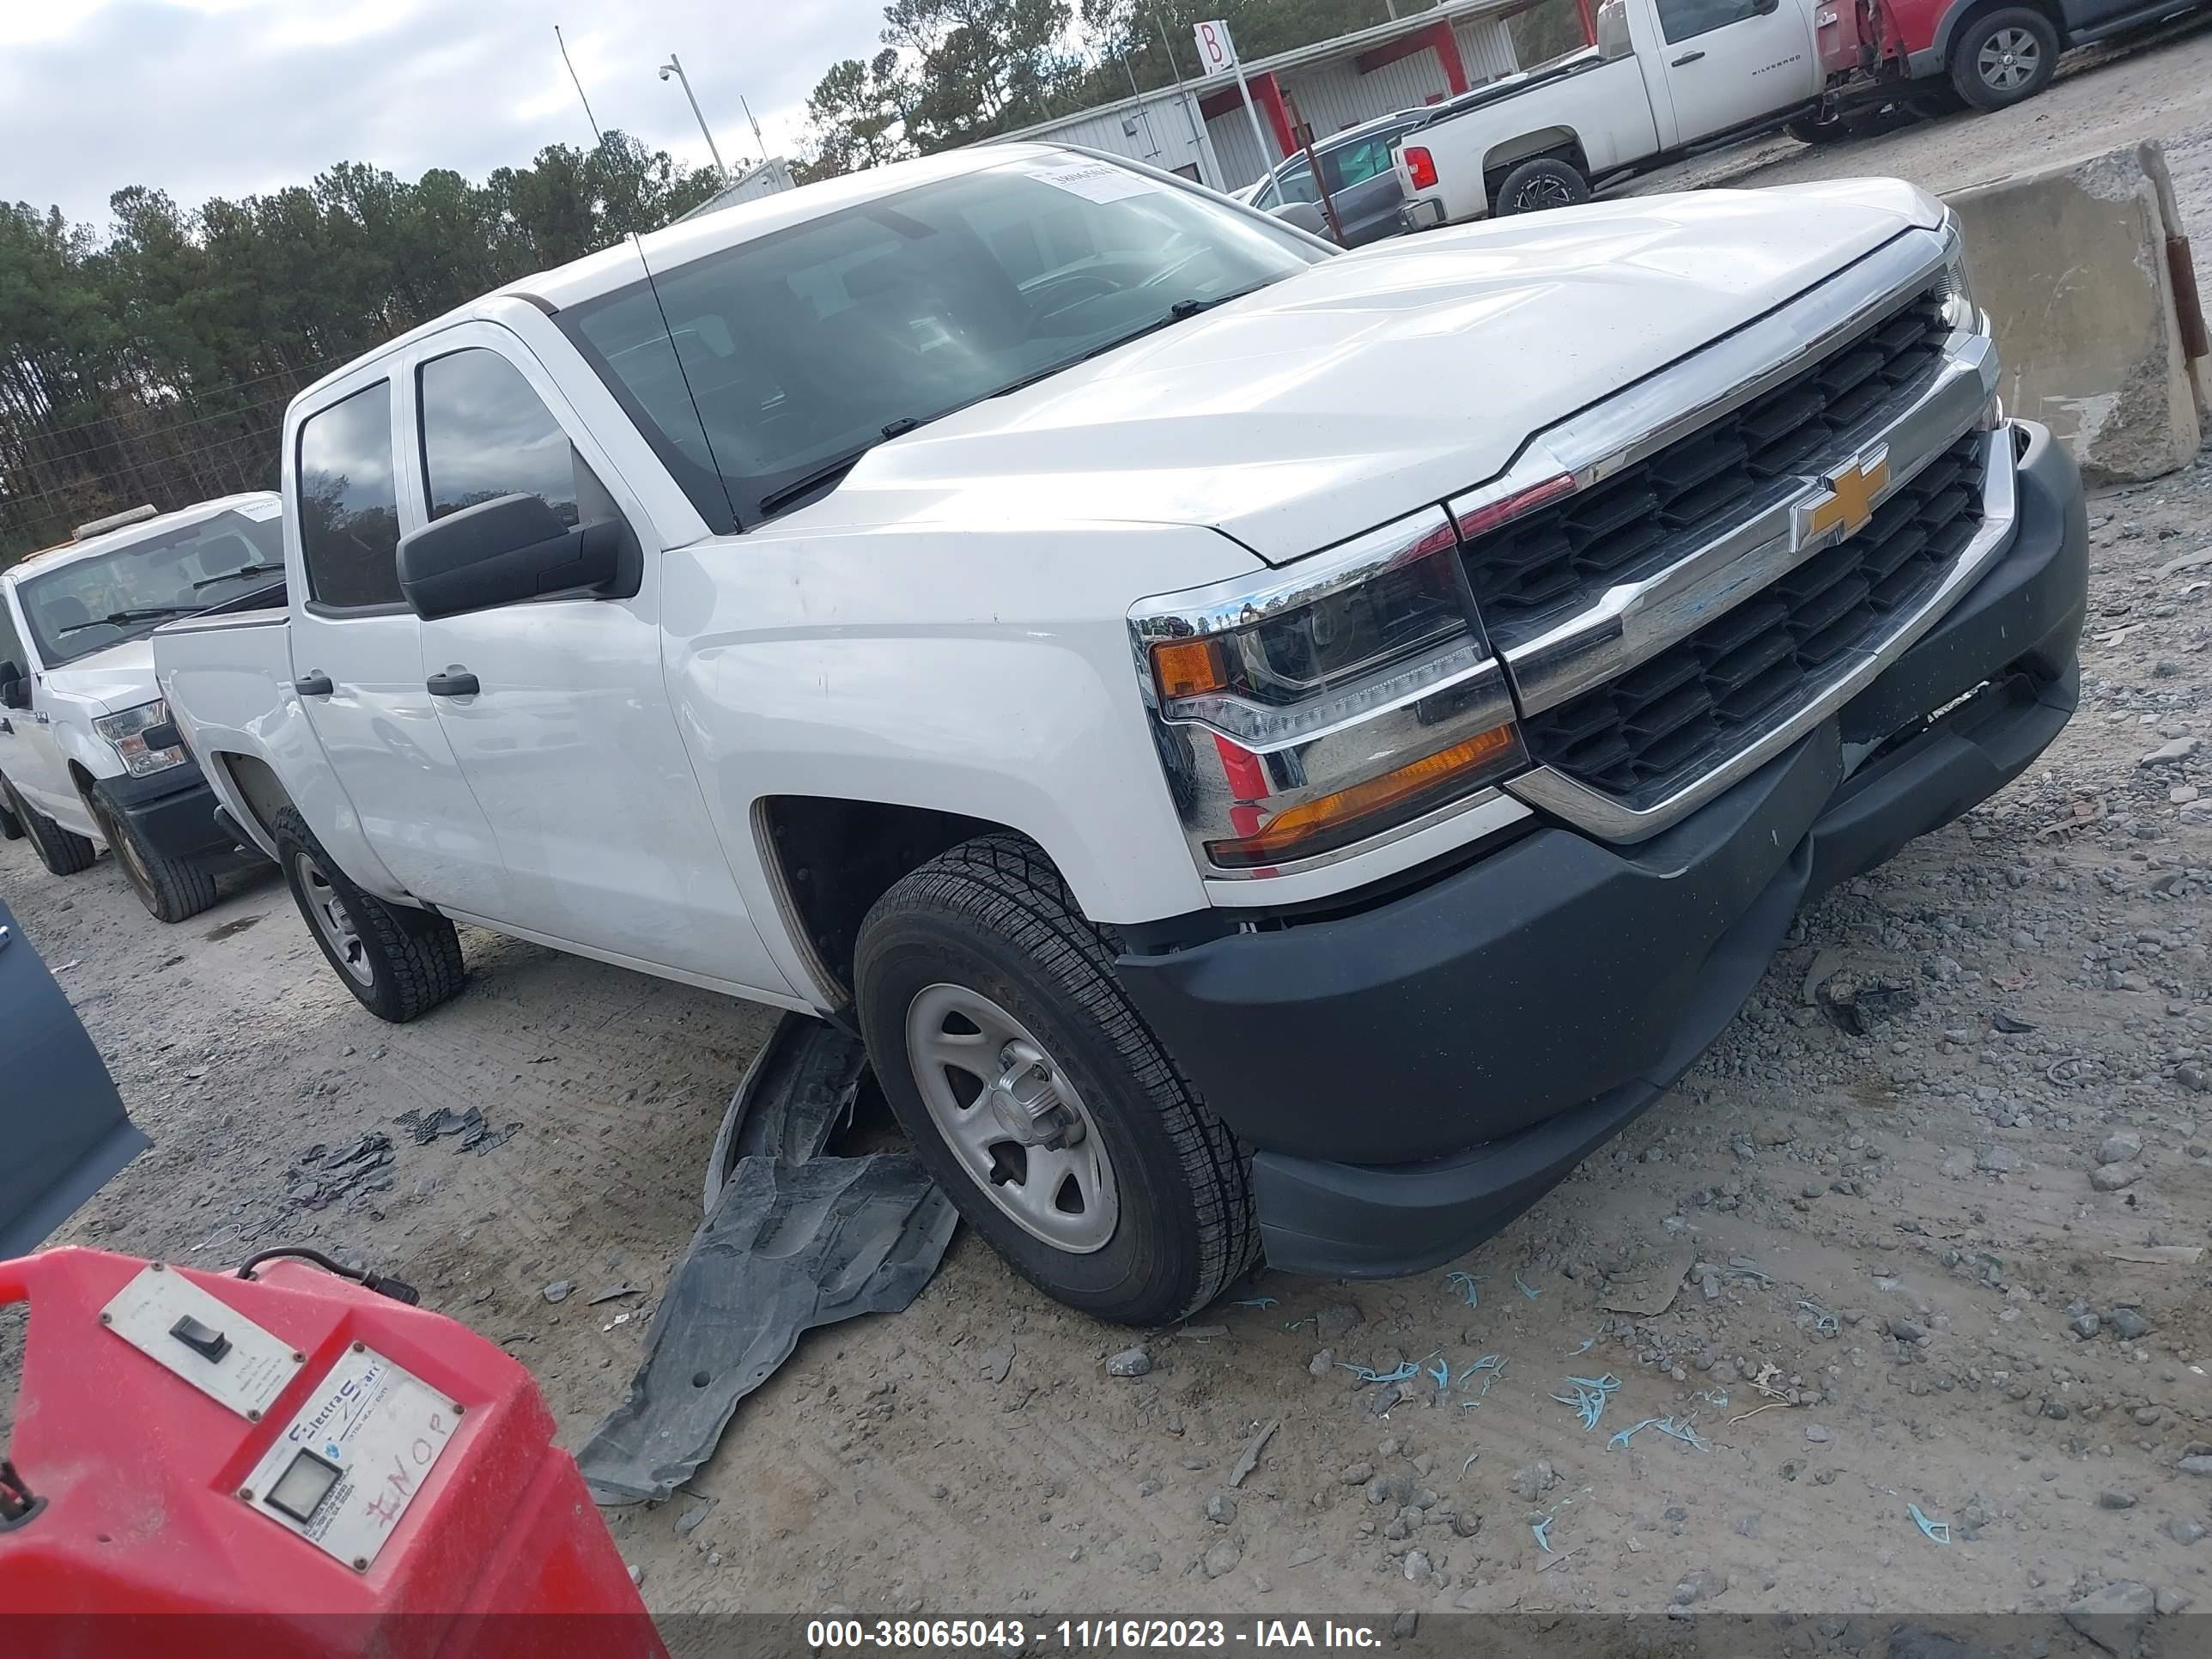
<point x="992" y="918"/>
<point x="1807" y="130"/>
<point x="1535" y="186"/>
<point x="2003" y="57"/>
<point x="11" y="827"/>
<point x="172" y="889"/>
<point x="63" y="852"/>
<point x="401" y="962"/>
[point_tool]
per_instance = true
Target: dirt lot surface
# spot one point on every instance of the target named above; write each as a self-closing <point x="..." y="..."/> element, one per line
<point x="1927" y="1228"/>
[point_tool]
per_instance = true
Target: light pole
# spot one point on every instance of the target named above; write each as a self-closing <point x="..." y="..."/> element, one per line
<point x="675" y="66"/>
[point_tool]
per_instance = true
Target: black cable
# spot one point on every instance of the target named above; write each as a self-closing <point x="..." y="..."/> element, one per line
<point x="397" y="1290"/>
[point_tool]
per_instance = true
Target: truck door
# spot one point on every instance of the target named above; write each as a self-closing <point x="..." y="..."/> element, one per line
<point x="568" y="739"/>
<point x="357" y="658"/>
<point x="31" y="756"/>
<point x="1727" y="63"/>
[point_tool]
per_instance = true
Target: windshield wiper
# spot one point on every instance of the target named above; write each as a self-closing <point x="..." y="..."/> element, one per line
<point x="124" y="618"/>
<point x="232" y="575"/>
<point x="831" y="471"/>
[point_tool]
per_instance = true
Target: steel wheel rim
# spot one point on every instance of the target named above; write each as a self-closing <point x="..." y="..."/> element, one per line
<point x="1000" y="1121"/>
<point x="332" y="922"/>
<point x="2008" y="60"/>
<point x="127" y="855"/>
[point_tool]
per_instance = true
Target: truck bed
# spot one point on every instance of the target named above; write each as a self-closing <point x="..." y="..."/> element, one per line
<point x="227" y="677"/>
<point x="1599" y="111"/>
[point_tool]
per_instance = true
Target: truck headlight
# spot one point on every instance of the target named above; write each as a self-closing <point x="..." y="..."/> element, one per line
<point x="1957" y="290"/>
<point x="126" y="733"/>
<point x="1349" y="697"/>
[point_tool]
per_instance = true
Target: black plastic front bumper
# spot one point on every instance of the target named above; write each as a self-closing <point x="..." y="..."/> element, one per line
<point x="173" y="811"/>
<point x="1417" y="1073"/>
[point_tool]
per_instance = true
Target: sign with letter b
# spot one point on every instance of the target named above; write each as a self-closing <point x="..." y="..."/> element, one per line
<point x="1215" y="49"/>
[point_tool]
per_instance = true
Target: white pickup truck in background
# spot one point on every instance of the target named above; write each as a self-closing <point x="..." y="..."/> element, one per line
<point x="1667" y="76"/>
<point x="86" y="751"/>
<point x="1266" y="750"/>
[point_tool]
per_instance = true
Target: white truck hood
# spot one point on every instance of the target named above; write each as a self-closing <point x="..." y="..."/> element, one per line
<point x="1354" y="393"/>
<point x="119" y="677"/>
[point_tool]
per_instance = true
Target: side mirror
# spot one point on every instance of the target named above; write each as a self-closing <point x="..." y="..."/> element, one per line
<point x="1765" y="8"/>
<point x="500" y="551"/>
<point x="15" y="689"/>
<point x="1306" y="215"/>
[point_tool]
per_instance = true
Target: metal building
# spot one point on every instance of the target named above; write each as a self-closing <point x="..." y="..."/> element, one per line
<point x="1201" y="130"/>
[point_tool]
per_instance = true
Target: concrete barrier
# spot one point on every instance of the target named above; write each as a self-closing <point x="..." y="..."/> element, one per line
<point x="2072" y="264"/>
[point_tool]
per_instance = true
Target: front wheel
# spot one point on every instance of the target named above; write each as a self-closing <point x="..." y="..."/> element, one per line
<point x="63" y="852"/>
<point x="1037" y="1096"/>
<point x="2004" y="57"/>
<point x="1544" y="183"/>
<point x="398" y="962"/>
<point x="172" y="889"/>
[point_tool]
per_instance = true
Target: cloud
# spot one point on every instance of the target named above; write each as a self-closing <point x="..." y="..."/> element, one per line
<point x="203" y="98"/>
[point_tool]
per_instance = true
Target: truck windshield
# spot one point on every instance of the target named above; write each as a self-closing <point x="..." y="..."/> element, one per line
<point x="796" y="351"/>
<point x="128" y="592"/>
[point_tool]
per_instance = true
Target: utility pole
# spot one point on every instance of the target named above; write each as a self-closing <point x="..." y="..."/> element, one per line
<point x="675" y="68"/>
<point x="759" y="142"/>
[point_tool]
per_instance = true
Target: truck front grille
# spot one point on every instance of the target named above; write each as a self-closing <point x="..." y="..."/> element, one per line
<point x="1558" y="559"/>
<point x="1681" y="713"/>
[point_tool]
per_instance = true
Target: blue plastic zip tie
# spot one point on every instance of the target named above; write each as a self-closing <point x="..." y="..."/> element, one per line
<point x="1939" y="1531"/>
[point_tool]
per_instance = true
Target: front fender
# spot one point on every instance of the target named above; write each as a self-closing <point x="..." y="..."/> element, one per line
<point x="982" y="671"/>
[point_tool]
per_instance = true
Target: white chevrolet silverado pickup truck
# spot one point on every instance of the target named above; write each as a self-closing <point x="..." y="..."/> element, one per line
<point x="88" y="753"/>
<point x="1666" y="77"/>
<point x="1271" y="748"/>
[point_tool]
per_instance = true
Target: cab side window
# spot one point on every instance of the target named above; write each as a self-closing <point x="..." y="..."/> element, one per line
<point x="1297" y="182"/>
<point x="348" y="502"/>
<point x="486" y="434"/>
<point x="1355" y="164"/>
<point x="1679" y="20"/>
<point x="11" y="643"/>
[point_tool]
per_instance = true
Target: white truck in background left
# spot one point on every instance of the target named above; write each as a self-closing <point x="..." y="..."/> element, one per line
<point x="88" y="753"/>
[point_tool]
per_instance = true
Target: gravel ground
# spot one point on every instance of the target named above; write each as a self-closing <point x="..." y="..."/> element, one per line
<point x="1926" y="1228"/>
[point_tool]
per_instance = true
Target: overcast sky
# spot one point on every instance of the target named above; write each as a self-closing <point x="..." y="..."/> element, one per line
<point x="207" y="98"/>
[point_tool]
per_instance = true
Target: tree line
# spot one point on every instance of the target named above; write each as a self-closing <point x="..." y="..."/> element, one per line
<point x="153" y="363"/>
<point x="952" y="72"/>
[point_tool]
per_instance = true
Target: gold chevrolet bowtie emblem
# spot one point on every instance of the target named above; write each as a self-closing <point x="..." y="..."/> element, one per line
<point x="1847" y="504"/>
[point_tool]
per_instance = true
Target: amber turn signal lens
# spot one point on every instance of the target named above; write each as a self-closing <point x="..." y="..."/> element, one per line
<point x="1184" y="668"/>
<point x="1329" y="820"/>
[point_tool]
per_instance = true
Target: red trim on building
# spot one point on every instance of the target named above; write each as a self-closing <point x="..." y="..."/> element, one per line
<point x="1215" y="104"/>
<point x="1447" y="45"/>
<point x="1267" y="94"/>
<point x="1436" y="37"/>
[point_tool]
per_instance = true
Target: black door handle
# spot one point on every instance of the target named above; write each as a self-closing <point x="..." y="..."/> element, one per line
<point x="313" y="686"/>
<point x="1687" y="58"/>
<point x="453" y="683"/>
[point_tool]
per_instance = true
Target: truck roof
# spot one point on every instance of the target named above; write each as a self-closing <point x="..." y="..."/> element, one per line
<point x="709" y="232"/>
<point x="53" y="558"/>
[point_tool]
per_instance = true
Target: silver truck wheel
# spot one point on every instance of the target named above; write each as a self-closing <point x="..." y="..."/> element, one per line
<point x="326" y="913"/>
<point x="398" y="962"/>
<point x="1013" y="1116"/>
<point x="2004" y="57"/>
<point x="1037" y="1096"/>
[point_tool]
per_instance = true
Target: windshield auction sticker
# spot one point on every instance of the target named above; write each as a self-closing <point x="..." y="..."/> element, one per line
<point x="1095" y="181"/>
